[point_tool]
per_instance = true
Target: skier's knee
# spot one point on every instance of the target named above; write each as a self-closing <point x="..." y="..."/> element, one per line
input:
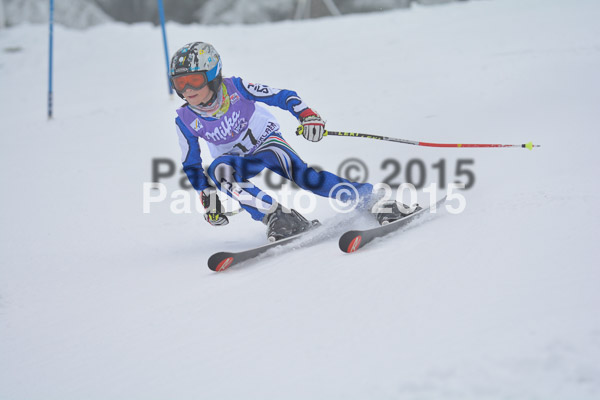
<point x="221" y="172"/>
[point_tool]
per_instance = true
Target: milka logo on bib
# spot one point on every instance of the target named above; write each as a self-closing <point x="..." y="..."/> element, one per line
<point x="229" y="127"/>
<point x="196" y="125"/>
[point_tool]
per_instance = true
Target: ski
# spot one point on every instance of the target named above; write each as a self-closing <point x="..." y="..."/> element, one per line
<point x="222" y="260"/>
<point x="353" y="240"/>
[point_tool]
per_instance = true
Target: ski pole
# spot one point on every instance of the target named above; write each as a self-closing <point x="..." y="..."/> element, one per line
<point x="232" y="213"/>
<point x="529" y="145"/>
<point x="50" y="53"/>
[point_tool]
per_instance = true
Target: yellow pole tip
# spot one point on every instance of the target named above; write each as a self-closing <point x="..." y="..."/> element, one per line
<point x="529" y="145"/>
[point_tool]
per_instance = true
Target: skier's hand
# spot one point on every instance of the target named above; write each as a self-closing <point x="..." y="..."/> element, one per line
<point x="312" y="126"/>
<point x="214" y="208"/>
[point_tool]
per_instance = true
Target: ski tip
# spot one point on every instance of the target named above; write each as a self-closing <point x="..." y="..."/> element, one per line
<point x="223" y="265"/>
<point x="349" y="243"/>
<point x="219" y="263"/>
<point x="354" y="244"/>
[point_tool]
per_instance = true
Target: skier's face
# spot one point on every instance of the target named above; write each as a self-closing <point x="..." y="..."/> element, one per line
<point x="196" y="97"/>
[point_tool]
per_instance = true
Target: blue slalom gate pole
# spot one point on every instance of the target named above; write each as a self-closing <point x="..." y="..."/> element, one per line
<point x="51" y="27"/>
<point x="161" y="13"/>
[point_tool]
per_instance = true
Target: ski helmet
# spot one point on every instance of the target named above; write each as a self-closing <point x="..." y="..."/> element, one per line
<point x="197" y="58"/>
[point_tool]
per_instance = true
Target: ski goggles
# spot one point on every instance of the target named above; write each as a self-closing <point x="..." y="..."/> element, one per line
<point x="196" y="81"/>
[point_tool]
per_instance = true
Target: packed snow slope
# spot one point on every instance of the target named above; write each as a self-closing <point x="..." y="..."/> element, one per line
<point x="99" y="300"/>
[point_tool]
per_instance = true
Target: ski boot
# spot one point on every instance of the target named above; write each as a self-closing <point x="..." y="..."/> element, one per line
<point x="390" y="211"/>
<point x="283" y="223"/>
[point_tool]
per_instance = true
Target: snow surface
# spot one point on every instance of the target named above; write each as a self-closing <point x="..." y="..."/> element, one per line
<point x="101" y="301"/>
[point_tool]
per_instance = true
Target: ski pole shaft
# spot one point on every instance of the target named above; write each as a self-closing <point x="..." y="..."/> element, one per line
<point x="232" y="213"/>
<point x="161" y="14"/>
<point x="50" y="54"/>
<point x="529" y="145"/>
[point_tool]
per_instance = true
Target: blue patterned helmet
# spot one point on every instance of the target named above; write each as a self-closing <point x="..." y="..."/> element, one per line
<point x="197" y="58"/>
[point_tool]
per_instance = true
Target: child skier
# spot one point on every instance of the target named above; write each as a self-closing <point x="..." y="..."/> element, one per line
<point x="244" y="138"/>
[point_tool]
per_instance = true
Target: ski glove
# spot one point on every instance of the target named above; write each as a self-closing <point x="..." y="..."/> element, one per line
<point x="214" y="209"/>
<point x="312" y="126"/>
